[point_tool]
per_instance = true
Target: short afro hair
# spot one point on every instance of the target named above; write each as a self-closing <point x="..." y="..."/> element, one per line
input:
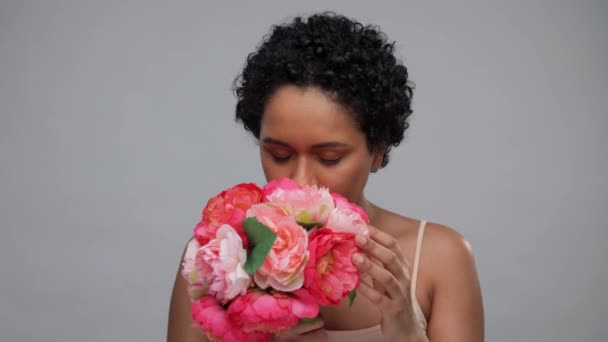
<point x="352" y="62"/>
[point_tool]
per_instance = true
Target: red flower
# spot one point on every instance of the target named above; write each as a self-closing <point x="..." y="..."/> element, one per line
<point x="272" y="312"/>
<point x="215" y="323"/>
<point x="330" y="274"/>
<point x="229" y="207"/>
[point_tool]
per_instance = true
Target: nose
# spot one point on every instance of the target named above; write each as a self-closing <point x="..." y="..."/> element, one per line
<point x="303" y="173"/>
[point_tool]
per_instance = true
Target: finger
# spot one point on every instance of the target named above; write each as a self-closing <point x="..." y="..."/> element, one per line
<point x="389" y="259"/>
<point x="383" y="279"/>
<point x="370" y="282"/>
<point x="389" y="242"/>
<point x="379" y="287"/>
<point x="383" y="302"/>
<point x="374" y="283"/>
<point x="373" y="295"/>
<point x="385" y="240"/>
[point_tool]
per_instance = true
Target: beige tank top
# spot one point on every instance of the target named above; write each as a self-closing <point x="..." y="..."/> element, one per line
<point x="374" y="333"/>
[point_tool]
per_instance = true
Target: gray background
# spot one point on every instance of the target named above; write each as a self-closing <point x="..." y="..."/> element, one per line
<point x="116" y="126"/>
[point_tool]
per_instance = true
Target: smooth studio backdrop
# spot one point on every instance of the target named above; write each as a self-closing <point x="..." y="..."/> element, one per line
<point x="116" y="126"/>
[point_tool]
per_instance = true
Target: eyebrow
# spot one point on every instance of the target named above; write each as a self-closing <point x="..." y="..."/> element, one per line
<point x="320" y="145"/>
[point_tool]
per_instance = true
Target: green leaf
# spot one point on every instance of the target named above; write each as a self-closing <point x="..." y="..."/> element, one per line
<point x="261" y="239"/>
<point x="351" y="297"/>
<point x="307" y="320"/>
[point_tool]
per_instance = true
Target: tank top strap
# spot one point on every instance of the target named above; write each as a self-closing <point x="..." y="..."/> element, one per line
<point x="416" y="266"/>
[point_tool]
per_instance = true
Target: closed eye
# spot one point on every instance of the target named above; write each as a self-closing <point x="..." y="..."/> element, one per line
<point x="280" y="159"/>
<point x="330" y="162"/>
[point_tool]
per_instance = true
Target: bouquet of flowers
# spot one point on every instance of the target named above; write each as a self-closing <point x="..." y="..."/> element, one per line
<point x="263" y="259"/>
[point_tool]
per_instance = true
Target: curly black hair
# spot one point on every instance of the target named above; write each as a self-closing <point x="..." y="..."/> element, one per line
<point x="352" y="62"/>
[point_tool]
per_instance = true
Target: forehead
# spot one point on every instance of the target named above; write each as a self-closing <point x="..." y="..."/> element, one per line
<point x="308" y="116"/>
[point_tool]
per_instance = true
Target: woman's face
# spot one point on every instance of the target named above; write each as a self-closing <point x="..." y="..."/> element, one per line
<point x="308" y="137"/>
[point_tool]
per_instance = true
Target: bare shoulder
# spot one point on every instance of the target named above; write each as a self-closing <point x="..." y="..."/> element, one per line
<point x="445" y="254"/>
<point x="453" y="287"/>
<point x="445" y="240"/>
<point x="446" y="265"/>
<point x="445" y="243"/>
<point x="441" y="244"/>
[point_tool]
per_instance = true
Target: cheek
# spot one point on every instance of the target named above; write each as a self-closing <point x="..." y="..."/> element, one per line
<point x="349" y="182"/>
<point x="271" y="169"/>
<point x="349" y="179"/>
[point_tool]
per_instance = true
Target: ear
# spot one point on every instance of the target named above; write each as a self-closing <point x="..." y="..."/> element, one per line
<point x="377" y="158"/>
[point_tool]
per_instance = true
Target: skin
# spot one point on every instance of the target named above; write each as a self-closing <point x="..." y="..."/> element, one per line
<point x="308" y="137"/>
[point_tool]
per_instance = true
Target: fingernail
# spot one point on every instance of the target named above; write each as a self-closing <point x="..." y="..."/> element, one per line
<point x="361" y="240"/>
<point x="357" y="258"/>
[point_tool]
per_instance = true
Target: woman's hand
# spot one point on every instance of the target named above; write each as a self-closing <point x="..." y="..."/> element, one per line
<point x="304" y="332"/>
<point x="383" y="261"/>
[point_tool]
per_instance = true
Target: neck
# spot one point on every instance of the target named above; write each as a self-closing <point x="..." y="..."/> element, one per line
<point x="370" y="209"/>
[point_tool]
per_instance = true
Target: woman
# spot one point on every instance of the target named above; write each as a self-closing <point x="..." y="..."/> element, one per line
<point x="327" y="99"/>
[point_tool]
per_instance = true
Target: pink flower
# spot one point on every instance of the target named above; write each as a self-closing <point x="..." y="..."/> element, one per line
<point x="284" y="184"/>
<point x="220" y="263"/>
<point x="346" y="221"/>
<point x="330" y="274"/>
<point x="283" y="267"/>
<point x="343" y="204"/>
<point x="347" y="217"/>
<point x="191" y="273"/>
<point x="215" y="323"/>
<point x="188" y="263"/>
<point x="309" y="204"/>
<point x="272" y="312"/>
<point x="229" y="207"/>
<point x="266" y="211"/>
